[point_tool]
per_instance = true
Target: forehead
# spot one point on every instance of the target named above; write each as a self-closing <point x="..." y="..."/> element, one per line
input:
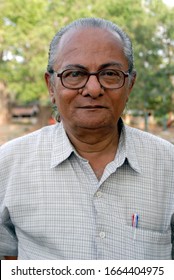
<point x="90" y="46"/>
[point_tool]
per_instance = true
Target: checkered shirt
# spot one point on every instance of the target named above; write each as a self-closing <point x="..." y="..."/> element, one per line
<point x="52" y="206"/>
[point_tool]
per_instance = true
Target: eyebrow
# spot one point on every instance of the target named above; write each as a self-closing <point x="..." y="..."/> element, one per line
<point x="71" y="66"/>
<point x="117" y="64"/>
<point x="105" y="65"/>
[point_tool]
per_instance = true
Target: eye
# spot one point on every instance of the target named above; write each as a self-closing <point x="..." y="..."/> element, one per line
<point x="110" y="73"/>
<point x="74" y="74"/>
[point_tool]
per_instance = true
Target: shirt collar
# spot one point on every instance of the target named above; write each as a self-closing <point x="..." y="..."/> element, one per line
<point x="62" y="147"/>
<point x="128" y="145"/>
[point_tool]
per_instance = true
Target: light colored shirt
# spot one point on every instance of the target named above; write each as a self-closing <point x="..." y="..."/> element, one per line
<point x="53" y="206"/>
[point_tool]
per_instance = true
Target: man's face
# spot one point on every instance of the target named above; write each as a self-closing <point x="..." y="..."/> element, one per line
<point x="92" y="106"/>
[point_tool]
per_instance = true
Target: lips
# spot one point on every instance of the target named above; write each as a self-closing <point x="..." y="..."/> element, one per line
<point x="93" y="107"/>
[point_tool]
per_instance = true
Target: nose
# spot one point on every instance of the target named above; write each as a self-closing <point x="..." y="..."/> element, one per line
<point x="92" y="88"/>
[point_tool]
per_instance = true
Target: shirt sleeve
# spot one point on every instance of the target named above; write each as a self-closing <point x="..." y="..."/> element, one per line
<point x="8" y="239"/>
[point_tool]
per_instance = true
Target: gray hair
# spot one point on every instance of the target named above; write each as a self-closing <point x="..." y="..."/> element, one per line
<point x="92" y="22"/>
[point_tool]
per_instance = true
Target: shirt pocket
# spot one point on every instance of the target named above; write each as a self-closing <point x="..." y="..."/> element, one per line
<point x="147" y="244"/>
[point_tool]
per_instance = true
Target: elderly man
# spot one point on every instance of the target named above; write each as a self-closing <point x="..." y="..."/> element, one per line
<point x="88" y="187"/>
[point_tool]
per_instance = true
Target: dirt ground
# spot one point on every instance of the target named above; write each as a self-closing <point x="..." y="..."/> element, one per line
<point x="13" y="130"/>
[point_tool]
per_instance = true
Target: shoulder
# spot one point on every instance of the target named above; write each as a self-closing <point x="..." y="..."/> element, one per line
<point x="148" y="142"/>
<point x="30" y="142"/>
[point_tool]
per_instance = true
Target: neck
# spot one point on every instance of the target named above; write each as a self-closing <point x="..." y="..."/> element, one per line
<point x="98" y="147"/>
<point x="93" y="140"/>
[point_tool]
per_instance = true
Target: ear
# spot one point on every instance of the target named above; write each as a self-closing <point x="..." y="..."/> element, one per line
<point x="50" y="86"/>
<point x="131" y="84"/>
<point x="133" y="79"/>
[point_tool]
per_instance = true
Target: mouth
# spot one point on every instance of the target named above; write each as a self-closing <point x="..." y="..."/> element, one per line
<point x="92" y="107"/>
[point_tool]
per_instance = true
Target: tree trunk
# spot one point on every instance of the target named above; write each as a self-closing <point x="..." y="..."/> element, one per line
<point x="5" y="114"/>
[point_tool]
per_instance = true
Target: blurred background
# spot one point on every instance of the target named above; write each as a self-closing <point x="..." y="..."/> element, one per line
<point x="26" y="29"/>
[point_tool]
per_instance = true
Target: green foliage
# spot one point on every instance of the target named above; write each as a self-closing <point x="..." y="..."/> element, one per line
<point x="27" y="27"/>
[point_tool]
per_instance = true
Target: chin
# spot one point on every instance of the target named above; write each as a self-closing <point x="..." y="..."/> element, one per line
<point x="94" y="124"/>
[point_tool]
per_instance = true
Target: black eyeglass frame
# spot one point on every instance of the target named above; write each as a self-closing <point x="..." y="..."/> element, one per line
<point x="59" y="75"/>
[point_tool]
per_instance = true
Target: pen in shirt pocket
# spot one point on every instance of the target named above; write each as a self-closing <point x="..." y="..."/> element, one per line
<point x="135" y="219"/>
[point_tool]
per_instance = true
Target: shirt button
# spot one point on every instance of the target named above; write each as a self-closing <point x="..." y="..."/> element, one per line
<point x="102" y="234"/>
<point x="99" y="194"/>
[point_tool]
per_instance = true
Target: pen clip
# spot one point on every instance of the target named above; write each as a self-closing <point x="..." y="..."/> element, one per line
<point x="135" y="218"/>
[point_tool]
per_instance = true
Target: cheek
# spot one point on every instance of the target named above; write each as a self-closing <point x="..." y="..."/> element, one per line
<point x="64" y="99"/>
<point x="120" y="97"/>
<point x="119" y="102"/>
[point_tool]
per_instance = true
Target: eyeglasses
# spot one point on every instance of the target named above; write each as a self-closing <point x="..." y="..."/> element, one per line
<point x="77" y="79"/>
